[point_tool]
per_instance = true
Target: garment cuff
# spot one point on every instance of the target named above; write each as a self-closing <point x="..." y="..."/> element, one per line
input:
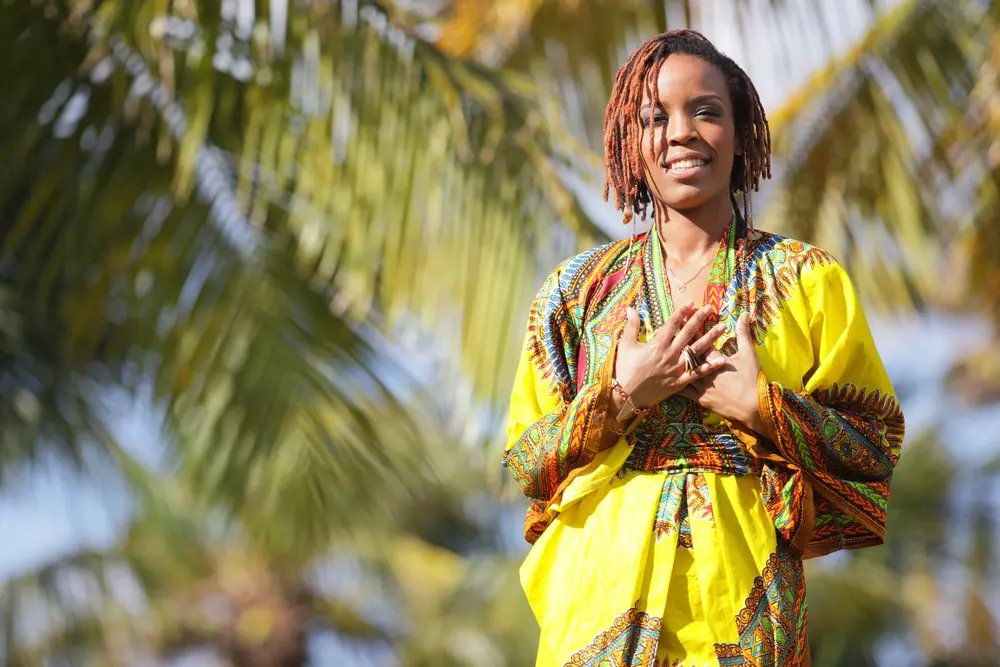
<point x="759" y="445"/>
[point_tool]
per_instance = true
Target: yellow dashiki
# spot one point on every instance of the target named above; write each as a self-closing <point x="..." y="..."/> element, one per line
<point x="682" y="544"/>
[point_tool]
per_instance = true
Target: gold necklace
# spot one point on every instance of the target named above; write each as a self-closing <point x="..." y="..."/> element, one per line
<point x="683" y="283"/>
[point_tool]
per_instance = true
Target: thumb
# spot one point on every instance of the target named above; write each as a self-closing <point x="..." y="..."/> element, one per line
<point x="743" y="339"/>
<point x="631" y="333"/>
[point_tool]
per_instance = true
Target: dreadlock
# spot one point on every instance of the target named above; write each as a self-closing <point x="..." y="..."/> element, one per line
<point x="622" y="133"/>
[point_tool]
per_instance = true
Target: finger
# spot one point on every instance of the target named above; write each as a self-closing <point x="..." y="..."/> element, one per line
<point x="679" y="317"/>
<point x="705" y="345"/>
<point x="673" y="324"/>
<point x="717" y="358"/>
<point x="711" y="365"/>
<point x="631" y="333"/>
<point x="743" y="338"/>
<point x="692" y="326"/>
<point x="690" y="392"/>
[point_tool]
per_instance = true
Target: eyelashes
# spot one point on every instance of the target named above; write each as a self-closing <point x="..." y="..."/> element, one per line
<point x="659" y="119"/>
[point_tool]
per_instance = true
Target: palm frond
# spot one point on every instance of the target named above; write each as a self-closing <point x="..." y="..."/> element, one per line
<point x="866" y="150"/>
<point x="65" y="609"/>
<point x="244" y="304"/>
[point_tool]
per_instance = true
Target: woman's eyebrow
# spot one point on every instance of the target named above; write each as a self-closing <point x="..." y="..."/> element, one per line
<point x="708" y="97"/>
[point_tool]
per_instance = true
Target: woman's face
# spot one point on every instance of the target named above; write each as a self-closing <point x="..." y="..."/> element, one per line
<point x="693" y="134"/>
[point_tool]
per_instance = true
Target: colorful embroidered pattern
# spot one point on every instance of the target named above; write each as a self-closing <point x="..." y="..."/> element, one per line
<point x="841" y="440"/>
<point x="772" y="624"/>
<point x="774" y="266"/>
<point x="680" y="448"/>
<point x="684" y="498"/>
<point x="778" y="279"/>
<point x="684" y="538"/>
<point x="630" y="642"/>
<point x="579" y="314"/>
<point x="699" y="500"/>
<point x="730" y="655"/>
<point x="848" y="450"/>
<point x="546" y="451"/>
<point x="558" y="442"/>
<point x="672" y="510"/>
<point x="555" y="319"/>
<point x="783" y="492"/>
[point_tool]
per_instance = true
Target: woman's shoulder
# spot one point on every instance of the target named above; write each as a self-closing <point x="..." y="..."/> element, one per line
<point x="774" y="253"/>
<point x="575" y="274"/>
<point x="787" y="268"/>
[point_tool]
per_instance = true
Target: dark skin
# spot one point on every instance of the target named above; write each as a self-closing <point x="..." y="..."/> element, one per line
<point x="688" y="172"/>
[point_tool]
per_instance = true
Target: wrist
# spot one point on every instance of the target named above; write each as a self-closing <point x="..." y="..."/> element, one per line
<point x="630" y="391"/>
<point x="759" y="419"/>
<point x="628" y="409"/>
<point x="755" y="421"/>
<point x="617" y="402"/>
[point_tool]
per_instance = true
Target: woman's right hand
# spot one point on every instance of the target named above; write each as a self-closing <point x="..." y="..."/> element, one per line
<point x="652" y="371"/>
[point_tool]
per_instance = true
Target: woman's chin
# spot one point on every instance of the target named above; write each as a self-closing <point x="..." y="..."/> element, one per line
<point x="686" y="198"/>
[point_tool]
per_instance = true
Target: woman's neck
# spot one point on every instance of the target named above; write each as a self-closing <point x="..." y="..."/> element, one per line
<point x="687" y="236"/>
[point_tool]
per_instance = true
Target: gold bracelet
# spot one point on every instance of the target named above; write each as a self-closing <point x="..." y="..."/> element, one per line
<point x="639" y="413"/>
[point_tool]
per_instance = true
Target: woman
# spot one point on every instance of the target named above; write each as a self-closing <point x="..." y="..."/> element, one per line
<point x="682" y="460"/>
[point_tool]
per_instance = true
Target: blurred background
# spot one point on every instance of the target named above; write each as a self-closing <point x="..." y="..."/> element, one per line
<point x="265" y="267"/>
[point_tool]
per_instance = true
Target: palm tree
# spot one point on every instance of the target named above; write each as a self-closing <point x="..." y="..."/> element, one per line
<point x="245" y="212"/>
<point x="245" y="215"/>
<point x="244" y="590"/>
<point x="862" y="600"/>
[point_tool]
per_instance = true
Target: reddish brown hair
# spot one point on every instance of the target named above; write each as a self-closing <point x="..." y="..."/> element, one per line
<point x="624" y="172"/>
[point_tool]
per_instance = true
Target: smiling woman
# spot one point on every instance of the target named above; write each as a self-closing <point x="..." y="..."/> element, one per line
<point x="681" y="172"/>
<point x="699" y="408"/>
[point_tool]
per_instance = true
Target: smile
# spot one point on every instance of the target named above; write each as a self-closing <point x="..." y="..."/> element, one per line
<point x="680" y="165"/>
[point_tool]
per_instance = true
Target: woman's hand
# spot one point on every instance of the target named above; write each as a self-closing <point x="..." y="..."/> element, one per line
<point x="652" y="371"/>
<point x="732" y="391"/>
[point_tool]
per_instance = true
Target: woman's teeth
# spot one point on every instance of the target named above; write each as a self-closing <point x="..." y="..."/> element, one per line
<point x="687" y="164"/>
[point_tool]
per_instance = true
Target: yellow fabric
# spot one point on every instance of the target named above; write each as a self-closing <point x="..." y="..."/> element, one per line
<point x="601" y="556"/>
<point x="608" y="533"/>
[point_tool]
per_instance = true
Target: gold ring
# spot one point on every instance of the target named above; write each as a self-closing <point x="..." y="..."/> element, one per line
<point x="690" y="358"/>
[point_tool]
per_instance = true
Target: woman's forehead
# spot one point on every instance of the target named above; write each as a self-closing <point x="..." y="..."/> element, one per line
<point x="685" y="76"/>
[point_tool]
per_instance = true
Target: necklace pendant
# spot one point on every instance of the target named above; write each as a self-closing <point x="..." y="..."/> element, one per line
<point x="682" y="288"/>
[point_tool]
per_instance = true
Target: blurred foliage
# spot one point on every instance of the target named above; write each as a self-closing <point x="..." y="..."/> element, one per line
<point x="189" y="576"/>
<point x="314" y="231"/>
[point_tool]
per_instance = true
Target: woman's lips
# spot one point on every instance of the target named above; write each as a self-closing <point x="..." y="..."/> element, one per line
<point x="686" y="168"/>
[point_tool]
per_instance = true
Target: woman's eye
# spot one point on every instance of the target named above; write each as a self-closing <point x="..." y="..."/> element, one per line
<point x="707" y="111"/>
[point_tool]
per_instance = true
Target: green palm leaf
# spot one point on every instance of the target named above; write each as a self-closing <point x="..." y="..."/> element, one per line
<point x="172" y="216"/>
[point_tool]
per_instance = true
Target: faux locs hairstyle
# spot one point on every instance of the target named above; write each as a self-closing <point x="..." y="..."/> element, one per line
<point x="622" y="133"/>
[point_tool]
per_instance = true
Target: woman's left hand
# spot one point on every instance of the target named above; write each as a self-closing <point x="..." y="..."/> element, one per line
<point x="731" y="391"/>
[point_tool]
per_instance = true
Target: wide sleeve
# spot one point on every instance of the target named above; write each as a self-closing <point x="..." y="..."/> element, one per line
<point x="556" y="420"/>
<point x="844" y="429"/>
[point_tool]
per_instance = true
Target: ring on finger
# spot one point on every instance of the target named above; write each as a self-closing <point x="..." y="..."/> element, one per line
<point x="690" y="358"/>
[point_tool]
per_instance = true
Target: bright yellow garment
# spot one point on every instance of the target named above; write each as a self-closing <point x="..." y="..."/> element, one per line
<point x="682" y="544"/>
